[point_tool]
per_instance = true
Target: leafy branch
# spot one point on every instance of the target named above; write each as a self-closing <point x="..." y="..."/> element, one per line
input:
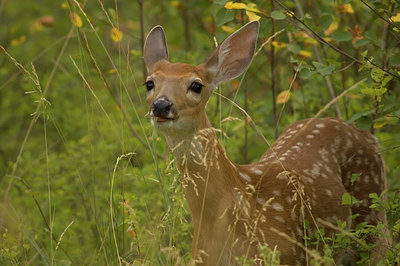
<point x="319" y="38"/>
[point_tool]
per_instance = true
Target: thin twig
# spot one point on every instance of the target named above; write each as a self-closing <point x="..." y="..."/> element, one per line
<point x="327" y="80"/>
<point x="245" y="105"/>
<point x="141" y="20"/>
<point x="317" y="37"/>
<point x="273" y="77"/>
<point x="381" y="17"/>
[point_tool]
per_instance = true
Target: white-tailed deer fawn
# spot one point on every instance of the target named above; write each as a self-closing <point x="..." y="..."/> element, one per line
<point x="238" y="208"/>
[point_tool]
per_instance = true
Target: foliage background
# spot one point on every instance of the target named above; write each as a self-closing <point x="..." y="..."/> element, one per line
<point x="84" y="179"/>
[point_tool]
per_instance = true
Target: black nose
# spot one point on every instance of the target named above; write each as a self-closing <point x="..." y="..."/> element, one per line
<point x="161" y="107"/>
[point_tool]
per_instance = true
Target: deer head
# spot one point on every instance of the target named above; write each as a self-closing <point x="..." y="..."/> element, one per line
<point x="177" y="93"/>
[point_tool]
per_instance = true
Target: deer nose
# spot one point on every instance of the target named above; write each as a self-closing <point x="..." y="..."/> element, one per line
<point x="161" y="107"/>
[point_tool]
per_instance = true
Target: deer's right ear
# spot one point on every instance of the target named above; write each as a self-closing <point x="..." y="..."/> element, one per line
<point x="155" y="48"/>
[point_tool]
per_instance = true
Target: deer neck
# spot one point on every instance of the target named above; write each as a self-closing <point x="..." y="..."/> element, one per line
<point x="206" y="171"/>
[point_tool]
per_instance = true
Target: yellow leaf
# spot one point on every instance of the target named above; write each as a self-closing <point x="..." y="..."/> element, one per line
<point x="64" y="5"/>
<point x="231" y="5"/>
<point x="283" y="97"/>
<point x="379" y="123"/>
<point x="116" y="34"/>
<point x="252" y="16"/>
<point x="252" y="8"/>
<point x="76" y="20"/>
<point x="396" y="18"/>
<point x="111" y="71"/>
<point x="132" y="233"/>
<point x="36" y="26"/>
<point x="310" y="41"/>
<point x="278" y="44"/>
<point x="175" y="3"/>
<point x="334" y="25"/>
<point x="227" y="29"/>
<point x="18" y="41"/>
<point x="305" y="54"/>
<point x="345" y="8"/>
<point x="353" y="96"/>
<point x="136" y="53"/>
<point x="290" y="13"/>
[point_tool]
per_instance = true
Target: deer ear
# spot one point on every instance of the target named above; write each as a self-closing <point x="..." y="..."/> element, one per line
<point x="234" y="55"/>
<point x="155" y="48"/>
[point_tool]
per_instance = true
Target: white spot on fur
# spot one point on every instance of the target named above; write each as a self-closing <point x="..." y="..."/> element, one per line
<point x="276" y="192"/>
<point x="294" y="252"/>
<point x="293" y="216"/>
<point x="307" y="179"/>
<point x="245" y="176"/>
<point x="315" y="131"/>
<point x="279" y="219"/>
<point x="310" y="136"/>
<point x="315" y="170"/>
<point x="320" y="125"/>
<point x="297" y="148"/>
<point x="256" y="171"/>
<point x="324" y="154"/>
<point x="288" y="137"/>
<point x="260" y="201"/>
<point x="282" y="176"/>
<point x="277" y="207"/>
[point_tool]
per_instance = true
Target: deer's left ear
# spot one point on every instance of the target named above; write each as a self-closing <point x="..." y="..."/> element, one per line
<point x="234" y="55"/>
<point x="155" y="48"/>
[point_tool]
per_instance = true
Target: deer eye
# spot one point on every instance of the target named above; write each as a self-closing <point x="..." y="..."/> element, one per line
<point x="149" y="85"/>
<point x="196" y="87"/>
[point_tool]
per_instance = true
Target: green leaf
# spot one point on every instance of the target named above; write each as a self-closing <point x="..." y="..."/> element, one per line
<point x="278" y="14"/>
<point x="377" y="74"/>
<point x="306" y="73"/>
<point x="323" y="69"/>
<point x="354" y="177"/>
<point x="342" y="36"/>
<point x="360" y="114"/>
<point x="373" y="196"/>
<point x="341" y="224"/>
<point x="361" y="42"/>
<point x="346" y="199"/>
<point x="361" y="226"/>
<point x="372" y="36"/>
<point x="294" y="48"/>
<point x="223" y="16"/>
<point x="220" y="2"/>
<point x="325" y="21"/>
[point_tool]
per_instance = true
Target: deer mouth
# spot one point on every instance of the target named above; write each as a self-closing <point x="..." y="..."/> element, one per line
<point x="162" y="119"/>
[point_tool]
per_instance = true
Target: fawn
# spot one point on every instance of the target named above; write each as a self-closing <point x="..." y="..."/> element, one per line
<point x="238" y="208"/>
